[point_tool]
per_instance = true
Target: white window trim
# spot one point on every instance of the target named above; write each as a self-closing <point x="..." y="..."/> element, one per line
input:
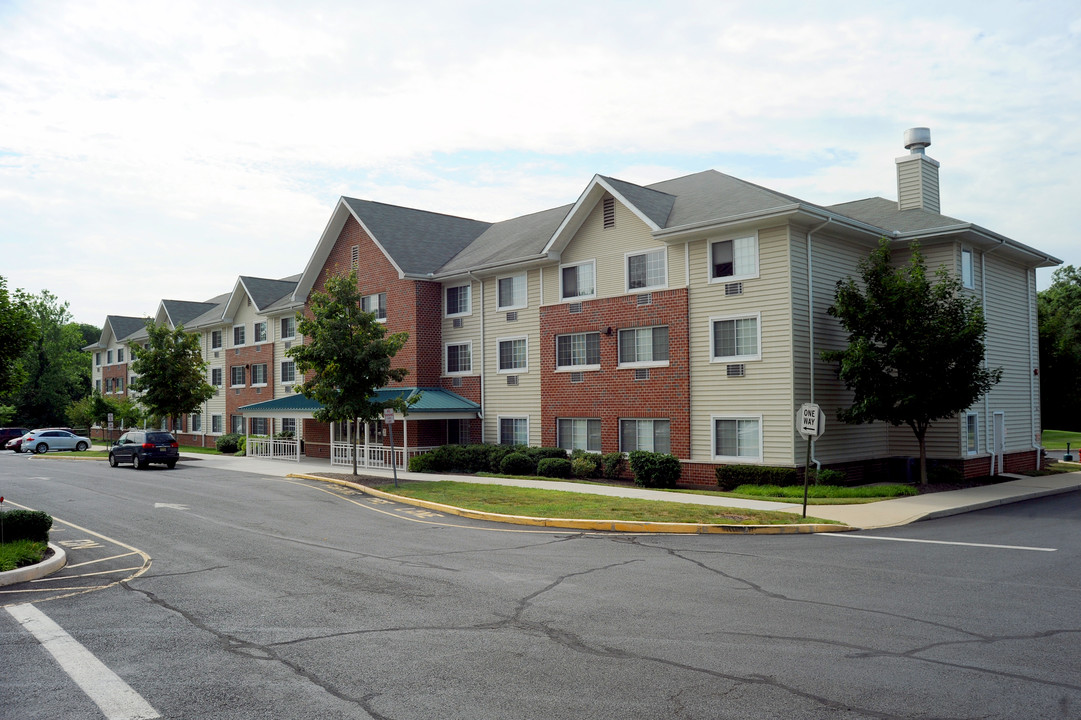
<point x="512" y="371"/>
<point x="971" y="284"/>
<point x="289" y="337"/>
<point x="499" y="426"/>
<point x="742" y="459"/>
<point x="619" y="429"/>
<point x="733" y="278"/>
<point x="574" y="368"/>
<point x="245" y="374"/>
<point x="966" y="435"/>
<point x="281" y="375"/>
<point x="221" y="424"/>
<point x="457" y="373"/>
<point x="586" y="420"/>
<point x="221" y="343"/>
<point x="736" y="358"/>
<point x="212" y="369"/>
<point x="233" y="333"/>
<point x="578" y="298"/>
<point x="627" y="271"/>
<point x="262" y="384"/>
<point x="266" y="332"/>
<point x="644" y="363"/>
<point x="373" y="299"/>
<point x="469" y="300"/>
<point x="525" y="279"/>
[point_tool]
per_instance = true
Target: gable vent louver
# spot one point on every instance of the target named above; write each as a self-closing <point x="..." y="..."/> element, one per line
<point x="609" y="212"/>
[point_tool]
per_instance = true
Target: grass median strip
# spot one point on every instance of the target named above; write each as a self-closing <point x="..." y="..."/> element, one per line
<point x="533" y="502"/>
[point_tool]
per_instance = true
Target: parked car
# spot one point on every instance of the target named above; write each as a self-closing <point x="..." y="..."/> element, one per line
<point x="9" y="434"/>
<point x="44" y="440"/>
<point x="142" y="447"/>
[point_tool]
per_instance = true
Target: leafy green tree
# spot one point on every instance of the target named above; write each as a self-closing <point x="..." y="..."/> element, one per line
<point x="17" y="332"/>
<point x="915" y="348"/>
<point x="348" y="353"/>
<point x="170" y="372"/>
<point x="56" y="370"/>
<point x="1059" y="308"/>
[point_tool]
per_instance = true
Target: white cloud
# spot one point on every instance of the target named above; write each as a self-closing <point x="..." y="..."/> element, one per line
<point x="218" y="136"/>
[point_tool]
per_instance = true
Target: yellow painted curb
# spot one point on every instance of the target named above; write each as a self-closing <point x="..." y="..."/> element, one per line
<point x="624" y="526"/>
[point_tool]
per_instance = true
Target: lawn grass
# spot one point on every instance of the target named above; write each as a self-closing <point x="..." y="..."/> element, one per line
<point x="534" y="502"/>
<point x="1057" y="439"/>
<point x="20" y="553"/>
<point x="833" y="492"/>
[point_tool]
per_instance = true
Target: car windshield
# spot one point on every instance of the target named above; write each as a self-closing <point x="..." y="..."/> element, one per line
<point x="159" y="437"/>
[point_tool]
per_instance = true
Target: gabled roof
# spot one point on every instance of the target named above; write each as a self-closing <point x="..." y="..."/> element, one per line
<point x="182" y="312"/>
<point x="264" y="293"/>
<point x="119" y="328"/>
<point x="654" y="204"/>
<point x="521" y="238"/>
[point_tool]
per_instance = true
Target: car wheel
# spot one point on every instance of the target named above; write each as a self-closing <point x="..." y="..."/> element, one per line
<point x="41" y="448"/>
<point x="112" y="460"/>
<point x="81" y="447"/>
<point x="170" y="464"/>
<point x="135" y="462"/>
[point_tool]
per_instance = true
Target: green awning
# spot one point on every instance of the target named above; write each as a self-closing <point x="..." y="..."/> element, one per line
<point x="433" y="404"/>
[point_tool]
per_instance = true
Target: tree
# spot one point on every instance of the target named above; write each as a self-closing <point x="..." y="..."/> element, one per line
<point x="1059" y="308"/>
<point x="17" y="332"/>
<point x="915" y="350"/>
<point x="348" y="353"/>
<point x="170" y="372"/>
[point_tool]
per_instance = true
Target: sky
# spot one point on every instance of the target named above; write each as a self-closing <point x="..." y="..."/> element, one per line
<point x="153" y="150"/>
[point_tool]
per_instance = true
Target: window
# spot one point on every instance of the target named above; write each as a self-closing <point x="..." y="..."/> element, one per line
<point x="459" y="358"/>
<point x="577" y="281"/>
<point x="457" y="300"/>
<point x="195" y="422"/>
<point x="643" y="346"/>
<point x="215" y="376"/>
<point x="456" y="432"/>
<point x="236" y="376"/>
<point x="258" y="426"/>
<point x="288" y="372"/>
<point x="512" y="292"/>
<point x="215" y="339"/>
<point x="97" y="385"/>
<point x="647" y="271"/>
<point x="258" y="374"/>
<point x="375" y="304"/>
<point x="260" y="332"/>
<point x="236" y="424"/>
<point x="120" y="384"/>
<point x="289" y="328"/>
<point x="737" y="438"/>
<point x="97" y="358"/>
<point x="579" y="434"/>
<point x="215" y="424"/>
<point x="130" y="381"/>
<point x="513" y="431"/>
<point x="651" y="435"/>
<point x="579" y="351"/>
<point x="289" y="425"/>
<point x="109" y="357"/>
<point x="733" y="259"/>
<point x="120" y="355"/>
<point x="967" y="277"/>
<point x="238" y="335"/>
<point x="513" y="355"/>
<point x="736" y="339"/>
<point x="972" y="433"/>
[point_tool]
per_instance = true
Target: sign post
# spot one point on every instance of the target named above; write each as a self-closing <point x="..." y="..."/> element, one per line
<point x="388" y="420"/>
<point x="810" y="424"/>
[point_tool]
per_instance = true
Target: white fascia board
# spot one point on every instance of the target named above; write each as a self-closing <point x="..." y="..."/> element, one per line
<point x="970" y="229"/>
<point x="234" y="301"/>
<point x="574" y="218"/>
<point x="653" y="227"/>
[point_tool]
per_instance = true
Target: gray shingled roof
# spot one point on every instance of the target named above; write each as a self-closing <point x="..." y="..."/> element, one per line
<point x="514" y="239"/>
<point x="123" y="326"/>
<point x="711" y="195"/>
<point x="654" y="204"/>
<point x="266" y="292"/>
<point x="883" y="213"/>
<point x="420" y="242"/>
<point x="182" y="312"/>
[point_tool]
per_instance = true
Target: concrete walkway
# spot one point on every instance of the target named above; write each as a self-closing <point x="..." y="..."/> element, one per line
<point x="885" y="513"/>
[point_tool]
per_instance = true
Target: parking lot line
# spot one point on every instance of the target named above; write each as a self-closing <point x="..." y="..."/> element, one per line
<point x="111" y="694"/>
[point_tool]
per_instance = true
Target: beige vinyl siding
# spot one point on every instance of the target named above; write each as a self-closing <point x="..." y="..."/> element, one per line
<point x="501" y="399"/>
<point x="216" y="404"/>
<point x="470" y="330"/>
<point x="608" y="247"/>
<point x="766" y="390"/>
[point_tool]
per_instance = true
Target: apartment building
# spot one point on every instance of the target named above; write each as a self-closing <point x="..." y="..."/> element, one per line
<point x="687" y="316"/>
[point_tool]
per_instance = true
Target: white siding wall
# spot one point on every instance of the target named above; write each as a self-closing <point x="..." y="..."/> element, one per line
<point x="524" y="398"/>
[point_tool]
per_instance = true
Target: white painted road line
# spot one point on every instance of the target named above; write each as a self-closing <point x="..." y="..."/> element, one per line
<point x="112" y="695"/>
<point x="934" y="542"/>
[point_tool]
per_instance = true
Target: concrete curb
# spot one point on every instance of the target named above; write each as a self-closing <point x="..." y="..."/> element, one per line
<point x="33" y="572"/>
<point x="590" y="525"/>
<point x="947" y="512"/>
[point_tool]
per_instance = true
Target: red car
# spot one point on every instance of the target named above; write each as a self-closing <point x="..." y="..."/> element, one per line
<point x="11" y="434"/>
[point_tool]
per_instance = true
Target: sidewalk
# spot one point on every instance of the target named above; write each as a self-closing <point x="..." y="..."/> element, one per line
<point x="885" y="513"/>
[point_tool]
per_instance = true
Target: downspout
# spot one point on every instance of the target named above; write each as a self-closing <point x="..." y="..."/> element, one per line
<point x="1034" y="358"/>
<point x="811" y="326"/>
<point x="987" y="413"/>
<point x="483" y="354"/>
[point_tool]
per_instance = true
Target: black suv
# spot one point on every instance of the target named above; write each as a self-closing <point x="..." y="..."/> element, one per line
<point x="142" y="447"/>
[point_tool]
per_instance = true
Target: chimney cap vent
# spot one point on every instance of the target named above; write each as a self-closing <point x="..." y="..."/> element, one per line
<point x="916" y="139"/>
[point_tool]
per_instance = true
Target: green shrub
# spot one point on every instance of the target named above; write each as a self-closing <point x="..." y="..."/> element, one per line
<point x="944" y="474"/>
<point x="732" y="476"/>
<point x="540" y="453"/>
<point x="496" y="453"/>
<point x="425" y="463"/>
<point x="655" y="469"/>
<point x="26" y="525"/>
<point x="829" y="477"/>
<point x="517" y="463"/>
<point x="227" y="443"/>
<point x="554" y="467"/>
<point x="583" y="467"/>
<point x="613" y="465"/>
<point x="242" y="445"/>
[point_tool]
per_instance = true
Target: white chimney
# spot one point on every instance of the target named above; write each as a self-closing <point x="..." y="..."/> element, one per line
<point x="917" y="174"/>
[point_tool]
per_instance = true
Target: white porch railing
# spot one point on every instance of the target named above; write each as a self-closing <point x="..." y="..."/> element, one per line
<point x="373" y="456"/>
<point x="273" y="448"/>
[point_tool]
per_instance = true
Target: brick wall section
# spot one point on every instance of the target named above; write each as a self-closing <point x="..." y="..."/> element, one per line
<point x="612" y="393"/>
<point x="108" y="372"/>
<point x="247" y="395"/>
